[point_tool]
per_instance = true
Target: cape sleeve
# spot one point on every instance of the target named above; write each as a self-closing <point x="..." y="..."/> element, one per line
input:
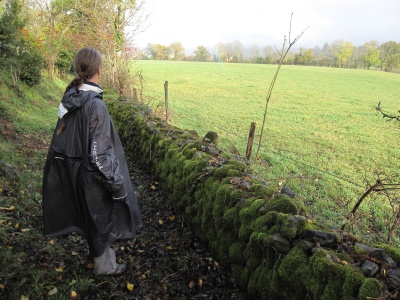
<point x="102" y="151"/>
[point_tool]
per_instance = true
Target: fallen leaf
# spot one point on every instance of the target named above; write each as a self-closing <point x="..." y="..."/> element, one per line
<point x="130" y="286"/>
<point x="140" y="251"/>
<point x="25" y="229"/>
<point x="53" y="292"/>
<point x="24" y="297"/>
<point x="1" y="286"/>
<point x="52" y="242"/>
<point x="74" y="253"/>
<point x="160" y="222"/>
<point x="171" y="218"/>
<point x="90" y="266"/>
<point x="169" y="248"/>
<point x="59" y="269"/>
<point x="191" y="284"/>
<point x="17" y="226"/>
<point x="153" y="187"/>
<point x="216" y="264"/>
<point x="12" y="207"/>
<point x="200" y="282"/>
<point x="73" y="294"/>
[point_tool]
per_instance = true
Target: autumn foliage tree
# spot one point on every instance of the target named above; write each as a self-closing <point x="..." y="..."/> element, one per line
<point x="64" y="26"/>
<point x="389" y="56"/>
<point x="202" y="54"/>
<point x="19" y="50"/>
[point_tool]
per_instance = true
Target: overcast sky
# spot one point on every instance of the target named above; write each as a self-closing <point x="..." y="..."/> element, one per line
<point x="262" y="22"/>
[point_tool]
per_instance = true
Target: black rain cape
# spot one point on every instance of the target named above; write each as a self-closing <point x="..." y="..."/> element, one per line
<point x="86" y="175"/>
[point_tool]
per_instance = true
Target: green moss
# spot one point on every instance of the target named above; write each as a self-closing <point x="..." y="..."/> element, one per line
<point x="262" y="190"/>
<point x="294" y="267"/>
<point x="371" y="288"/>
<point x="235" y="196"/>
<point x="252" y="286"/>
<point x="208" y="226"/>
<point x="259" y="240"/>
<point x="288" y="229"/>
<point x="259" y="282"/>
<point x="233" y="173"/>
<point x="138" y="121"/>
<point x="171" y="181"/>
<point x="221" y="172"/>
<point x="189" y="180"/>
<point x="237" y="273"/>
<point x="282" y="203"/>
<point x="236" y="165"/>
<point x="200" y="165"/>
<point x="333" y="290"/>
<point x="223" y="193"/>
<point x="247" y="214"/>
<point x="189" y="166"/>
<point x="230" y="219"/>
<point x="353" y="280"/>
<point x="318" y="278"/>
<point x="236" y="252"/>
<point x="277" y="288"/>
<point x="225" y="240"/>
<point x="226" y="180"/>
<point x="164" y="143"/>
<point x="262" y="223"/>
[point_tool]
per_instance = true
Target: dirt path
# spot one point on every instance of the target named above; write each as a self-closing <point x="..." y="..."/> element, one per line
<point x="170" y="262"/>
<point x="165" y="261"/>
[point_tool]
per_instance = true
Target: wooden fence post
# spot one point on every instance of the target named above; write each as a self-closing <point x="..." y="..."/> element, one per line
<point x="166" y="101"/>
<point x="249" y="148"/>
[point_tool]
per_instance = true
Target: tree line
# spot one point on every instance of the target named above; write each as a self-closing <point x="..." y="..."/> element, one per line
<point x="340" y="53"/>
<point x="43" y="35"/>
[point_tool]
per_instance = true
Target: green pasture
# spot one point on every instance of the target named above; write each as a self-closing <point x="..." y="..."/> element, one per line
<point x="323" y="136"/>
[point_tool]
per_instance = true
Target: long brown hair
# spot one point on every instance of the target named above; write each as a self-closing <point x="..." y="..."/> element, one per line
<point x="87" y="62"/>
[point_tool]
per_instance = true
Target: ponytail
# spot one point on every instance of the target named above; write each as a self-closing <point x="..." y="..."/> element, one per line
<point x="75" y="83"/>
<point x="87" y="62"/>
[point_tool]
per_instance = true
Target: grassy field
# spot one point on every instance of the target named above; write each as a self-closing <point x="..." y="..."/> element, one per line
<point x="323" y="136"/>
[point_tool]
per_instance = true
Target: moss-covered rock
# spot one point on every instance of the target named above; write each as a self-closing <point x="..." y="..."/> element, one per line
<point x="370" y="288"/>
<point x="281" y="203"/>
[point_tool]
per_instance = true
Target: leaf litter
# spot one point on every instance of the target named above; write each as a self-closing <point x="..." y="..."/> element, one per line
<point x="165" y="261"/>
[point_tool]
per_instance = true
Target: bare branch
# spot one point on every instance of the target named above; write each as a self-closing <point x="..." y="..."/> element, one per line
<point x="385" y="115"/>
<point x="283" y="54"/>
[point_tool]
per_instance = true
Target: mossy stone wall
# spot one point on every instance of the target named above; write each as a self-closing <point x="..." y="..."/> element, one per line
<point x="249" y="226"/>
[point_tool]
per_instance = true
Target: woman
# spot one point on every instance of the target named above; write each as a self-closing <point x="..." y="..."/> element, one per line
<point x="86" y="183"/>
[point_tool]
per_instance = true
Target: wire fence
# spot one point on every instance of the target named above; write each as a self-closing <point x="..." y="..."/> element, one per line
<point x="224" y="131"/>
<point x="344" y="191"/>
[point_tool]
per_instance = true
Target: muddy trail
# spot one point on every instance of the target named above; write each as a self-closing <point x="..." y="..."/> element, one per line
<point x="165" y="261"/>
<point x="170" y="262"/>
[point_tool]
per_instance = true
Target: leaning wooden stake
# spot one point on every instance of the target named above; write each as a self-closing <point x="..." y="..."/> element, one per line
<point x="250" y="141"/>
<point x="166" y="101"/>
